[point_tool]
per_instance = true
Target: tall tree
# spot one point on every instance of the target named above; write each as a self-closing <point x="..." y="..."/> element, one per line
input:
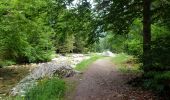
<point x="147" y="59"/>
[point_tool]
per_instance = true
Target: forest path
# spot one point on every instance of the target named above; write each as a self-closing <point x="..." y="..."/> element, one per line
<point x="103" y="82"/>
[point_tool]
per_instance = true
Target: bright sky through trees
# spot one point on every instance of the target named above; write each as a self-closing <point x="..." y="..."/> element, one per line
<point x="75" y="2"/>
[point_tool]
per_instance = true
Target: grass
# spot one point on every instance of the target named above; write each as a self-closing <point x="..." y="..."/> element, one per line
<point x="120" y="58"/>
<point x="126" y="63"/>
<point x="72" y="83"/>
<point x="47" y="89"/>
<point x="82" y="66"/>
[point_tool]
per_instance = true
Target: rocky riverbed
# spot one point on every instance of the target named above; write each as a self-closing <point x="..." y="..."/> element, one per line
<point x="62" y="66"/>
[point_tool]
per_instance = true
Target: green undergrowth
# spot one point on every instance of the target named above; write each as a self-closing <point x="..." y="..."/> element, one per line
<point x="126" y="63"/>
<point x="47" y="89"/>
<point x="158" y="81"/>
<point x="82" y="66"/>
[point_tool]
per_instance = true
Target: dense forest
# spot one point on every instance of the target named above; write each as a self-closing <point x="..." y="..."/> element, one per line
<point x="31" y="31"/>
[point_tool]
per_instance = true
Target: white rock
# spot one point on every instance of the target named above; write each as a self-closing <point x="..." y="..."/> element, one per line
<point x="108" y="53"/>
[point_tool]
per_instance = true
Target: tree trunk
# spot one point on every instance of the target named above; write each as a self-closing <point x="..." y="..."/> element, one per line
<point x="147" y="59"/>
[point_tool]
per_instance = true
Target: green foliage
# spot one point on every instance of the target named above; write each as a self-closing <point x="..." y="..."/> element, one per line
<point x="132" y="44"/>
<point x="118" y="15"/>
<point x="134" y="39"/>
<point x="158" y="81"/>
<point x="79" y="45"/>
<point x="118" y="43"/>
<point x="82" y="66"/>
<point x="32" y="30"/>
<point x="47" y="89"/>
<point x="114" y="43"/>
<point x="71" y="27"/>
<point x="24" y="37"/>
<point x="161" y="53"/>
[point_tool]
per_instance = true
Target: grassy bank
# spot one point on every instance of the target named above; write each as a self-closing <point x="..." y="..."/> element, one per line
<point x="126" y="63"/>
<point x="82" y="66"/>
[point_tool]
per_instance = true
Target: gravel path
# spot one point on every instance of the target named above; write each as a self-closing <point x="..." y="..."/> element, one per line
<point x="102" y="82"/>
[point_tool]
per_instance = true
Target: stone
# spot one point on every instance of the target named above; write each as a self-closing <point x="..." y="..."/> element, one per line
<point x="108" y="53"/>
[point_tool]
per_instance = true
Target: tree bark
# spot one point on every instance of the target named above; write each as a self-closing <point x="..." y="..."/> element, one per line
<point x="147" y="59"/>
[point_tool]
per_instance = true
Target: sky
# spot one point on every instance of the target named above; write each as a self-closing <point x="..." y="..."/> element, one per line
<point x="76" y="1"/>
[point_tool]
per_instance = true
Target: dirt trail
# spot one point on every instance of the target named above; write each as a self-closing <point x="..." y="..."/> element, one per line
<point x="102" y="82"/>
